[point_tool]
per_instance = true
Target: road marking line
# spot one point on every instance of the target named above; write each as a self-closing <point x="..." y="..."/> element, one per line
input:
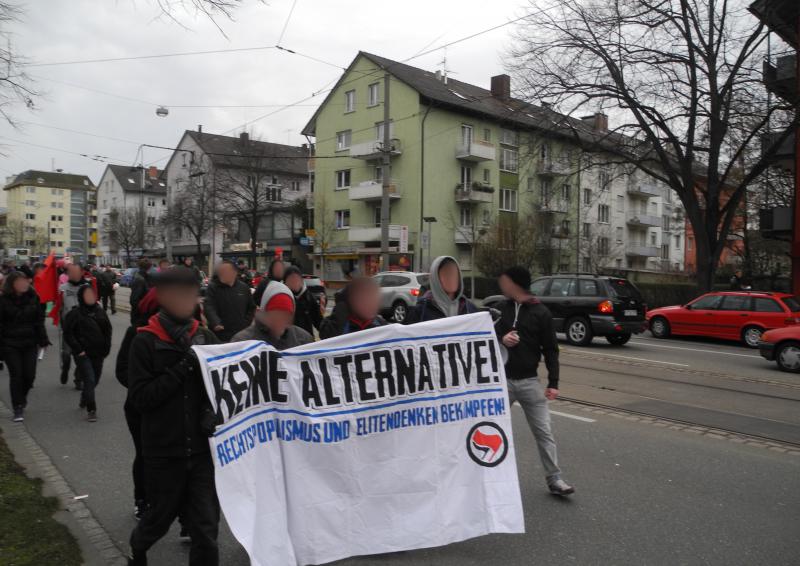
<point x="576" y="417"/>
<point x="725" y="353"/>
<point x="627" y="358"/>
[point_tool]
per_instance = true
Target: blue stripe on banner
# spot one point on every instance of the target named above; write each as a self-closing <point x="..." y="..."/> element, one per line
<point x="358" y="409"/>
<point x="355" y="346"/>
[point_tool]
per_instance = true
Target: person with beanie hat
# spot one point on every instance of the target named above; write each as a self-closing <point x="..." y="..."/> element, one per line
<point x="307" y="313"/>
<point x="357" y="309"/>
<point x="446" y="295"/>
<point x="87" y="331"/>
<point x="273" y="320"/>
<point x="525" y="327"/>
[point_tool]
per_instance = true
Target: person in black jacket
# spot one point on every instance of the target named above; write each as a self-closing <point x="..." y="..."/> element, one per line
<point x="229" y="305"/>
<point x="165" y="386"/>
<point x="275" y="272"/>
<point x="357" y="307"/>
<point x="188" y="262"/>
<point x="88" y="333"/>
<point x="105" y="288"/>
<point x="22" y="333"/>
<point x="525" y="327"/>
<point x="446" y="295"/>
<point x="307" y="314"/>
<point x="140" y="285"/>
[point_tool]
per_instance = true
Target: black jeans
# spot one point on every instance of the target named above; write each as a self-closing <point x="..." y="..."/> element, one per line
<point x="89" y="369"/>
<point x="176" y="485"/>
<point x="21" y="364"/>
<point x="134" y="420"/>
<point x="105" y="297"/>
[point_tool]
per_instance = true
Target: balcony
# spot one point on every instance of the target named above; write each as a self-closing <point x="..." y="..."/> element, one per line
<point x="780" y="76"/>
<point x="776" y="223"/>
<point x="643" y="220"/>
<point x="554" y="206"/>
<point x="475" y="193"/>
<point x="373" y="190"/>
<point x="644" y="190"/>
<point x="465" y="235"/>
<point x="371" y="150"/>
<point x="560" y="233"/>
<point x="371" y="233"/>
<point x="779" y="16"/>
<point x="784" y="153"/>
<point x="553" y="167"/>
<point x="636" y="250"/>
<point x="475" y="150"/>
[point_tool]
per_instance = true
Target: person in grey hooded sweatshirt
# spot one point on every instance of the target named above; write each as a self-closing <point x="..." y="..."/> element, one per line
<point x="273" y="320"/>
<point x="446" y="295"/>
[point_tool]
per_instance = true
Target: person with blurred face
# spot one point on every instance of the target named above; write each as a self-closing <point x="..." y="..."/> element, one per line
<point x="87" y="330"/>
<point x="362" y="302"/>
<point x="307" y="314"/>
<point x="164" y="264"/>
<point x="68" y="292"/>
<point x="446" y="295"/>
<point x="165" y="386"/>
<point x="229" y="305"/>
<point x="275" y="272"/>
<point x="274" y="320"/>
<point x="22" y="333"/>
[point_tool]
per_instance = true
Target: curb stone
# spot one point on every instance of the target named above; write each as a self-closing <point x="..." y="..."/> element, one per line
<point x="97" y="547"/>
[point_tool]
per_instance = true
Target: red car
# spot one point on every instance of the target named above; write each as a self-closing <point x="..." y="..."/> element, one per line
<point x="783" y="346"/>
<point x="731" y="315"/>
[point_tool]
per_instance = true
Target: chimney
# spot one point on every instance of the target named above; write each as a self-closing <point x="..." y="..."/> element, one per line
<point x="438" y="75"/>
<point x="501" y="87"/>
<point x="244" y="137"/>
<point x="199" y="128"/>
<point x="153" y="172"/>
<point x="598" y="121"/>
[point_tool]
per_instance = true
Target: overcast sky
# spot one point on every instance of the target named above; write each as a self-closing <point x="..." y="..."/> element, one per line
<point x="59" y="31"/>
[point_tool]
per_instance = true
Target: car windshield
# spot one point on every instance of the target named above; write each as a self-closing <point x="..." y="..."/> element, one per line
<point x="793" y="303"/>
<point x="624" y="289"/>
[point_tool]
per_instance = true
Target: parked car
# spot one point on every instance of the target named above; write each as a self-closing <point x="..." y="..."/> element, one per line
<point x="127" y="276"/>
<point x="782" y="345"/>
<point x="399" y="292"/>
<point x="730" y="315"/>
<point x="585" y="306"/>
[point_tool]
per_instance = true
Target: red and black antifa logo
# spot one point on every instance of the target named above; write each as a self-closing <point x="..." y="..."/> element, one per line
<point x="487" y="444"/>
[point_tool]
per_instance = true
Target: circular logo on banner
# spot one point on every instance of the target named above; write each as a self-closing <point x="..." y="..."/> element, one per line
<point x="487" y="444"/>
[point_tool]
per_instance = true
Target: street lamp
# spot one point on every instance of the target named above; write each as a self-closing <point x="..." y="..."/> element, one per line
<point x="162" y="111"/>
<point x="428" y="220"/>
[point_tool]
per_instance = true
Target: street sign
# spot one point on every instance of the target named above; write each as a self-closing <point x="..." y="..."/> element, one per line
<point x="311" y="233"/>
<point x="306" y="241"/>
<point x="403" y="239"/>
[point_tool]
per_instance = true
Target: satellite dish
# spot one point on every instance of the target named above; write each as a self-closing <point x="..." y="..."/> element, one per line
<point x="162" y="111"/>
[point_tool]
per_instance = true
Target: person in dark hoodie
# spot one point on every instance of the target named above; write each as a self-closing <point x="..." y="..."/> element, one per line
<point x="87" y="330"/>
<point x="273" y="320"/>
<point x="275" y="272"/>
<point x="140" y="285"/>
<point x="22" y="333"/>
<point x="446" y="295"/>
<point x="307" y="314"/>
<point x="166" y="388"/>
<point x="229" y="305"/>
<point x="525" y="327"/>
<point x="68" y="299"/>
<point x="357" y="309"/>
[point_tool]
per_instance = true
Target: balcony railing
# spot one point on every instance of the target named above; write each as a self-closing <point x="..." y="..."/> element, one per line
<point x="643" y="220"/>
<point x="780" y="75"/>
<point x="474" y="193"/>
<point x="642" y="251"/>
<point x="554" y="206"/>
<point x="371" y="233"/>
<point x="373" y="190"/>
<point x="475" y="150"/>
<point x="646" y="190"/>
<point x="465" y="235"/>
<point x="374" y="149"/>
<point x="553" y="166"/>
<point x="560" y="232"/>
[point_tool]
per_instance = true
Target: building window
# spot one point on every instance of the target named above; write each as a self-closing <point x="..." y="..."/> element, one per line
<point x="508" y="200"/>
<point x="466" y="178"/>
<point x="678" y="242"/>
<point x="544" y="191"/>
<point x="565" y="227"/>
<point x="379" y="130"/>
<point x="665" y="251"/>
<point x="30" y="216"/>
<point x="376" y="216"/>
<point x="603" y="179"/>
<point x="465" y="216"/>
<point x="602" y="246"/>
<point x="343" y="179"/>
<point x="667" y="195"/>
<point x="619" y="234"/>
<point x="602" y="214"/>
<point x="487" y="134"/>
<point x="163" y="202"/>
<point x="618" y="263"/>
<point x="508" y="137"/>
<point x="620" y="203"/>
<point x="486" y="176"/>
<point x="587" y="196"/>
<point x="56" y="192"/>
<point x="343" y="140"/>
<point x="373" y="92"/>
<point x="30" y="190"/>
<point x="30" y="203"/>
<point x="342" y="219"/>
<point x="151" y="221"/>
<point x="151" y="202"/>
<point x="294" y="186"/>
<point x="653" y="239"/>
<point x="586" y="265"/>
<point x="665" y="222"/>
<point x="508" y="160"/>
<point x="350" y="101"/>
<point x="466" y="135"/>
<point x="566" y="192"/>
<point x="587" y="230"/>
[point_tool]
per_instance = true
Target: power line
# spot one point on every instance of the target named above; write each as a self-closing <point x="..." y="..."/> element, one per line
<point x="154" y="56"/>
<point x="286" y="23"/>
<point x="99" y="136"/>
<point x="94" y="157"/>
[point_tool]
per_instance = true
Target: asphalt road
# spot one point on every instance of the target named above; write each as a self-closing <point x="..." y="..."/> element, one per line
<point x="646" y="495"/>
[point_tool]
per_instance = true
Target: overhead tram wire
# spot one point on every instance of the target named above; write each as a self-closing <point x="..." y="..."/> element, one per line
<point x="154" y="56"/>
<point x="286" y="23"/>
<point x="93" y="157"/>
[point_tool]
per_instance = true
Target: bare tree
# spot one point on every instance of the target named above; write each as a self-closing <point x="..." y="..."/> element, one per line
<point x="684" y="80"/>
<point x="601" y="249"/>
<point x="124" y="230"/>
<point x="510" y="241"/>
<point x="193" y="207"/>
<point x="15" y="86"/>
<point x="324" y="228"/>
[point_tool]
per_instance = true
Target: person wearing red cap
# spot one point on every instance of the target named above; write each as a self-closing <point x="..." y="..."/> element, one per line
<point x="273" y="322"/>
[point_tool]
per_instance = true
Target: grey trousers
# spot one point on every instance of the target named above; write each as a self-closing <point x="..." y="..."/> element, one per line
<point x="529" y="393"/>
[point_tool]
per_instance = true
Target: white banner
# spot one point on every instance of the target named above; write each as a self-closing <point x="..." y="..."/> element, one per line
<point x="389" y="439"/>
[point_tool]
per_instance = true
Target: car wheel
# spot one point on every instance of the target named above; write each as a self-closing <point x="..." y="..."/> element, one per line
<point x="660" y="328"/>
<point x="618" y="339"/>
<point x="399" y="311"/>
<point x="788" y="357"/>
<point x="579" y="331"/>
<point x="751" y="336"/>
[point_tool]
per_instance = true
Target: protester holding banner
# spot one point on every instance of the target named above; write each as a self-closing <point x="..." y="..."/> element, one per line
<point x="307" y="313"/>
<point x="525" y="328"/>
<point x="273" y="320"/>
<point x="229" y="305"/>
<point x="22" y="333"/>
<point x="446" y="295"/>
<point x="357" y="309"/>
<point x="166" y="388"/>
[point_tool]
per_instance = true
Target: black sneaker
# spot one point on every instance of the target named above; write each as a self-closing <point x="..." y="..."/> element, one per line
<point x="64" y="376"/>
<point x="19" y="415"/>
<point x="184" y="534"/>
<point x="92" y="417"/>
<point x="560" y="487"/>
<point x="137" y="559"/>
<point x="78" y="385"/>
<point x="139" y="507"/>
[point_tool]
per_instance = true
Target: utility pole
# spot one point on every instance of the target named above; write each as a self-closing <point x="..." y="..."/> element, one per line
<point x="386" y="163"/>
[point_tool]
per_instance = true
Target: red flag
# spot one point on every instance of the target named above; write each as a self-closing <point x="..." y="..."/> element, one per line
<point x="46" y="281"/>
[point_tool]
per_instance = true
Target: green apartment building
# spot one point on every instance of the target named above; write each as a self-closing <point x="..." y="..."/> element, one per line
<point x="473" y="159"/>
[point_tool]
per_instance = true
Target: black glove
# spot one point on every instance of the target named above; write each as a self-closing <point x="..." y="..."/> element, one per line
<point x="186" y="366"/>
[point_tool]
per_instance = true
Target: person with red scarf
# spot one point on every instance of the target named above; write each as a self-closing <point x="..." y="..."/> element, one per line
<point x="166" y="387"/>
<point x="357" y="309"/>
